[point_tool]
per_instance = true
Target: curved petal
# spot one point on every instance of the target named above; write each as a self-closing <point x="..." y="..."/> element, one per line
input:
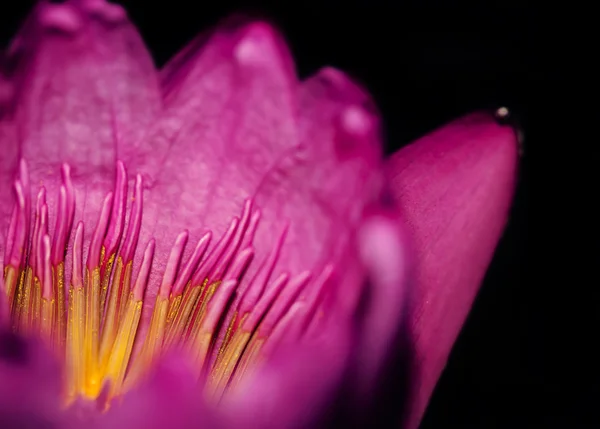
<point x="83" y="84"/>
<point x="29" y="385"/>
<point x="454" y="188"/>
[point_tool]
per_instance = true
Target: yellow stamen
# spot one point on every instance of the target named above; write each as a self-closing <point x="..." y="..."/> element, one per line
<point x="248" y="360"/>
<point x="59" y="284"/>
<point x="47" y="318"/>
<point x="95" y="333"/>
<point x="174" y="304"/>
<point x="106" y="276"/>
<point x="113" y="312"/>
<point x="19" y="299"/>
<point x="36" y="303"/>
<point x="75" y="335"/>
<point x="198" y="317"/>
<point x="221" y="374"/>
<point x="154" y="339"/>
<point x="181" y="319"/>
<point x="25" y="315"/>
<point x="119" y="358"/>
<point x="92" y="327"/>
<point x="123" y="300"/>
<point x="10" y="283"/>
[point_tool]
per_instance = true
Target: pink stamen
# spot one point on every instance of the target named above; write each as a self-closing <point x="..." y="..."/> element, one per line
<point x="135" y="222"/>
<point x="215" y="255"/>
<point x="233" y="248"/>
<point x="192" y="264"/>
<point x="284" y="301"/>
<point x="94" y="255"/>
<point x="60" y="232"/>
<point x="240" y="263"/>
<point x="37" y="233"/>
<point x="249" y="237"/>
<point x="117" y="217"/>
<point x="265" y="302"/>
<point x="39" y="255"/>
<point x="141" y="282"/>
<point x="316" y="294"/>
<point x="256" y="287"/>
<point x="68" y="184"/>
<point x="287" y="328"/>
<point x="47" y="291"/>
<point x="173" y="265"/>
<point x="217" y="305"/>
<point x="77" y="274"/>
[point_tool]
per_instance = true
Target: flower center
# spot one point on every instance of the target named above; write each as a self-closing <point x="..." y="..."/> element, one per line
<point x="206" y="306"/>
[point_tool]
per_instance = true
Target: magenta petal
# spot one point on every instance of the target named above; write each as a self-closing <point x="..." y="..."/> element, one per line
<point x="324" y="185"/>
<point x="296" y="388"/>
<point x="454" y="188"/>
<point x="9" y="163"/>
<point x="29" y="385"/>
<point x="169" y="398"/>
<point x="229" y="115"/>
<point x="83" y="84"/>
<point x="384" y="252"/>
<point x="4" y="307"/>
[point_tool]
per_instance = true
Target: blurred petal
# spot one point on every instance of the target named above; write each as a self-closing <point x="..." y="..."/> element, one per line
<point x="83" y="83"/>
<point x="29" y="385"/>
<point x="454" y="188"/>
<point x="169" y="398"/>
<point x="384" y="253"/>
<point x="296" y="388"/>
<point x="4" y="310"/>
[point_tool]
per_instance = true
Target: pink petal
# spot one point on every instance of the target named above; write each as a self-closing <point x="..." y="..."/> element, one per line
<point x="454" y="188"/>
<point x="169" y="398"/>
<point x="384" y="251"/>
<point x="8" y="170"/>
<point x="83" y="83"/>
<point x="236" y="125"/>
<point x="229" y="115"/>
<point x="323" y="187"/>
<point x="29" y="385"/>
<point x="9" y="161"/>
<point x="4" y="308"/>
<point x="296" y="388"/>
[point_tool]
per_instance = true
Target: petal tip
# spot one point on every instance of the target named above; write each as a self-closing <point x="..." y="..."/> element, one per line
<point x="256" y="46"/>
<point x="109" y="12"/>
<point x="61" y="17"/>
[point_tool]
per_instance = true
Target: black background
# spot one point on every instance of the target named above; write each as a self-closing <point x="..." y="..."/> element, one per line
<point x="425" y="63"/>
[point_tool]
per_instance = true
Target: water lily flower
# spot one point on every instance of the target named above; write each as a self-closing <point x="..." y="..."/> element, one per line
<point x="219" y="244"/>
